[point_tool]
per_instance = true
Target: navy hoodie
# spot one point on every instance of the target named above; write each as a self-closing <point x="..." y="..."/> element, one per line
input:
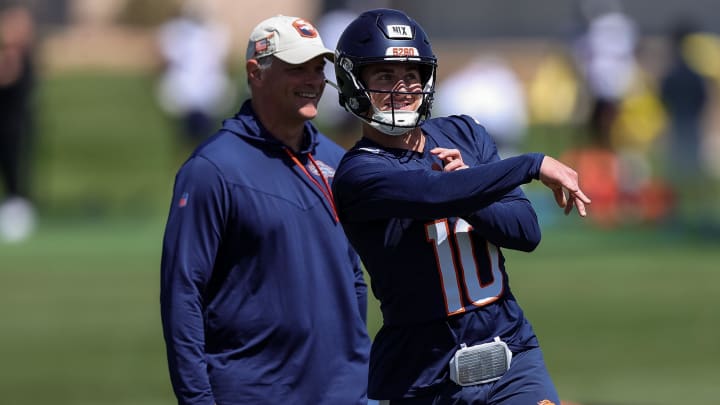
<point x="262" y="298"/>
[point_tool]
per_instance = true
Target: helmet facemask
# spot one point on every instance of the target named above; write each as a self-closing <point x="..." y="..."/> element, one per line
<point x="384" y="36"/>
<point x="394" y="121"/>
<point x="399" y="122"/>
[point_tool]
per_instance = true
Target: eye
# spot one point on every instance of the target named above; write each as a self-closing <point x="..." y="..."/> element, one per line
<point x="412" y="77"/>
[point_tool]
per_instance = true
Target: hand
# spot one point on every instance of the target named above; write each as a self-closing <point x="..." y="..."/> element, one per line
<point x="451" y="158"/>
<point x="559" y="178"/>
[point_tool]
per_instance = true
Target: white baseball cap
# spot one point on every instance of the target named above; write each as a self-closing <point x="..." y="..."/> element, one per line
<point x="291" y="39"/>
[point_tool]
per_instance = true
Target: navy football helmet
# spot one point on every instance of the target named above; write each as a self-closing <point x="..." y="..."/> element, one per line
<point x="378" y="36"/>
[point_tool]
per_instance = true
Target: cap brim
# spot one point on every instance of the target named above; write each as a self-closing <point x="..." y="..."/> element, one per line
<point x="301" y="55"/>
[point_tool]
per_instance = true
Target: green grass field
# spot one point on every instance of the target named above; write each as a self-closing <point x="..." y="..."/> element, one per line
<point x="626" y="317"/>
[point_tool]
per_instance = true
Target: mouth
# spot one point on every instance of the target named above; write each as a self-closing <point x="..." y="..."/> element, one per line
<point x="399" y="106"/>
<point x="308" y="95"/>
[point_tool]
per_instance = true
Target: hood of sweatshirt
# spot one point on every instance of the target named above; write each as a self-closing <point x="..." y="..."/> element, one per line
<point x="246" y="124"/>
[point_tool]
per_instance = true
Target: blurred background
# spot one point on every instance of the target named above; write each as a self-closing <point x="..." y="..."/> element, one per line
<point x="99" y="106"/>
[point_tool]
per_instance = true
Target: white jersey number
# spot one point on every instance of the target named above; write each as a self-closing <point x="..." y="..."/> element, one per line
<point x="458" y="266"/>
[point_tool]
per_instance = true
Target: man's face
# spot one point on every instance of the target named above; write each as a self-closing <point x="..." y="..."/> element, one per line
<point x="295" y="89"/>
<point x="397" y="77"/>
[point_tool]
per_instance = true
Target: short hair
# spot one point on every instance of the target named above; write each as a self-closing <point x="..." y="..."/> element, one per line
<point x="264" y="64"/>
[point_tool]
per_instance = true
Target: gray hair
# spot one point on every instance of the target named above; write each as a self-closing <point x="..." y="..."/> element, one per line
<point x="264" y="64"/>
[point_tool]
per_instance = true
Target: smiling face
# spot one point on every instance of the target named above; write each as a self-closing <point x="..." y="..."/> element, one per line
<point x="289" y="93"/>
<point x="393" y="86"/>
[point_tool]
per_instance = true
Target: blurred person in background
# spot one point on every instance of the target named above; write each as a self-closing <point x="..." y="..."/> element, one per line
<point x="489" y="90"/>
<point x="428" y="204"/>
<point x="625" y="117"/>
<point x="17" y="83"/>
<point x="605" y="54"/>
<point x="685" y="96"/>
<point x="263" y="299"/>
<point x="195" y="87"/>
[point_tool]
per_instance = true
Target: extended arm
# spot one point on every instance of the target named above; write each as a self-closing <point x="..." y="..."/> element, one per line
<point x="367" y="189"/>
<point x="553" y="174"/>
<point x="510" y="222"/>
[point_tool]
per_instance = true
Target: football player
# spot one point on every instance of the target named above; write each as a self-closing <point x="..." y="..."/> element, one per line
<point x="429" y="206"/>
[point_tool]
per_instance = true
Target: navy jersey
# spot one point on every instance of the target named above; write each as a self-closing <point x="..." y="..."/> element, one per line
<point x="262" y="296"/>
<point x="431" y="242"/>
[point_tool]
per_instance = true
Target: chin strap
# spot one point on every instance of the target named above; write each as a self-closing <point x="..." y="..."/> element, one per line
<point x="394" y="123"/>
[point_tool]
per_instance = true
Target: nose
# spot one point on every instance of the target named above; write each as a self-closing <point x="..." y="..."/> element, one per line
<point x="405" y="86"/>
<point x="400" y="85"/>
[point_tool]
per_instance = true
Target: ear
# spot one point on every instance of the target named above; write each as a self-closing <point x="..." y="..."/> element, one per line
<point x="254" y="73"/>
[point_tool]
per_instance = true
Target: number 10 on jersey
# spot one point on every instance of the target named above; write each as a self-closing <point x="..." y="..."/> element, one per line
<point x="460" y="263"/>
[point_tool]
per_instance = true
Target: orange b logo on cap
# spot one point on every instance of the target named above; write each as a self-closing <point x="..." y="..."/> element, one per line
<point x="304" y="28"/>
